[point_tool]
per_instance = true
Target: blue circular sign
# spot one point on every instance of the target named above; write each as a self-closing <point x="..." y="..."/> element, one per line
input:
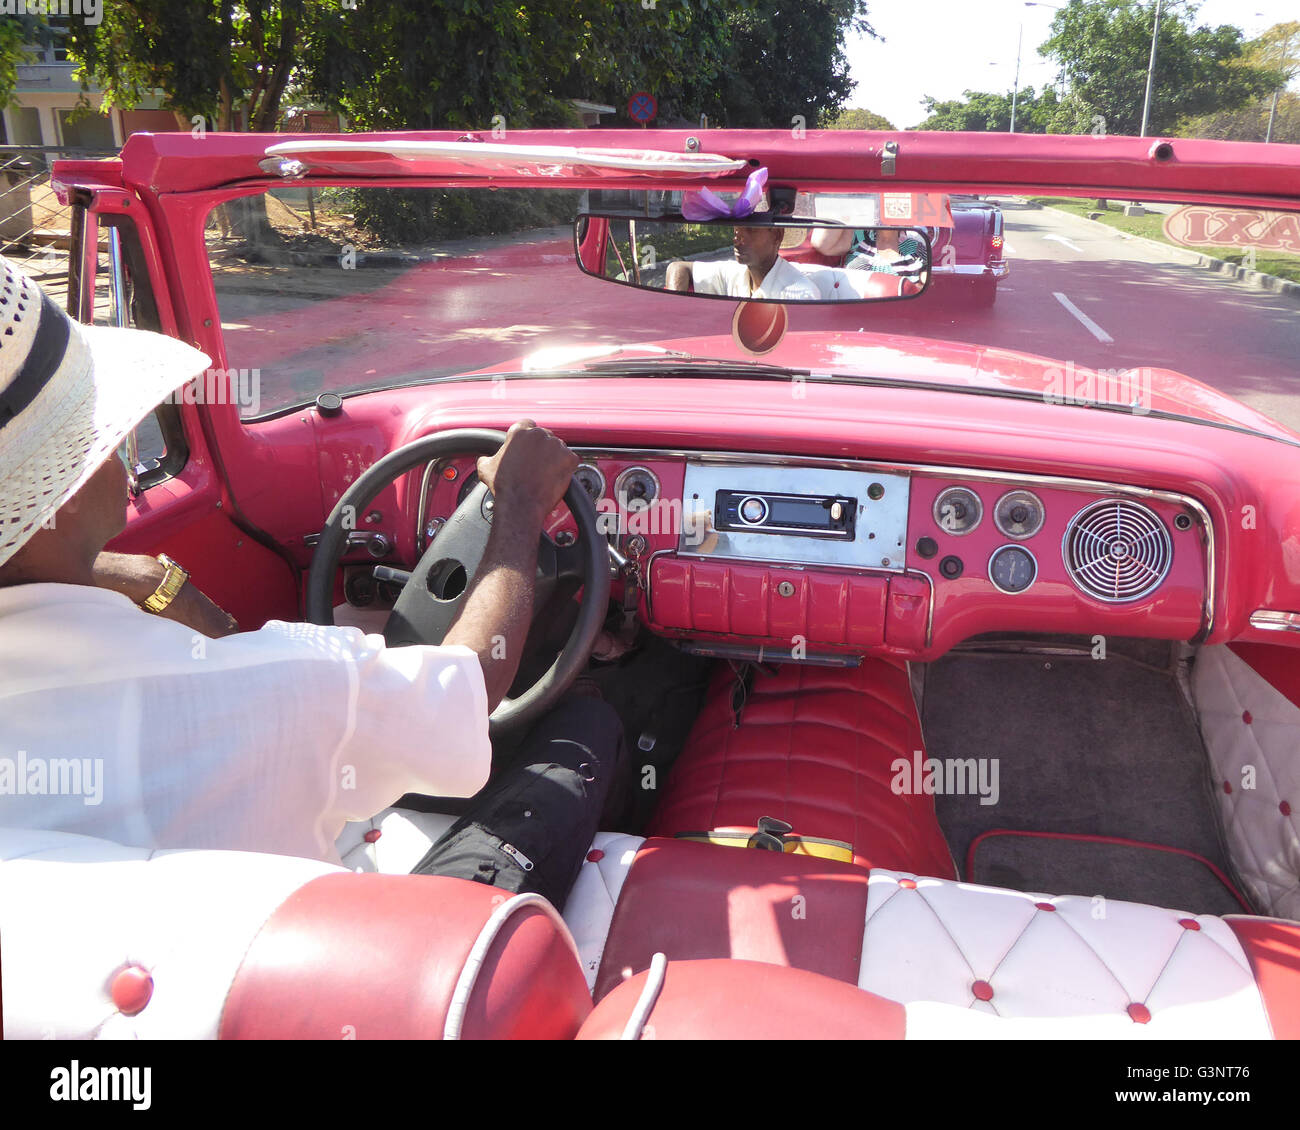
<point x="642" y="106"/>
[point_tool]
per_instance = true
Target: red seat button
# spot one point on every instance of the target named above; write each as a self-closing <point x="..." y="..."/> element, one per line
<point x="1139" y="1013"/>
<point x="1044" y="906"/>
<point x="372" y="835"/>
<point x="982" y="990"/>
<point x="1189" y="924"/>
<point x="595" y="855"/>
<point x="1245" y="717"/>
<point x="907" y="884"/>
<point x="1285" y="808"/>
<point x="1227" y="786"/>
<point x="131" y="989"/>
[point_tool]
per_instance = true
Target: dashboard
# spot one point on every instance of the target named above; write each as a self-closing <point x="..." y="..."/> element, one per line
<point x="824" y="560"/>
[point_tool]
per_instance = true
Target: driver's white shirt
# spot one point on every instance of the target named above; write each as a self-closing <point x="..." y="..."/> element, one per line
<point x="727" y="276"/>
<point x="263" y="741"/>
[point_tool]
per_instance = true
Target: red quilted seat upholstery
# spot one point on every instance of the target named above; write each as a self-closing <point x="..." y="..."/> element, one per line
<point x="815" y="748"/>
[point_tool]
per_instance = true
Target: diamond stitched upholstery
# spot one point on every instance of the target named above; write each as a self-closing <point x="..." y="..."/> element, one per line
<point x="815" y="748"/>
<point x="1105" y="965"/>
<point x="1252" y="734"/>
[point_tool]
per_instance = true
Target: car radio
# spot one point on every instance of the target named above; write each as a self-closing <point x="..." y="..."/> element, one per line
<point x="819" y="516"/>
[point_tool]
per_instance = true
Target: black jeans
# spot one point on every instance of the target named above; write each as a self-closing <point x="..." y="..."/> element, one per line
<point x="530" y="827"/>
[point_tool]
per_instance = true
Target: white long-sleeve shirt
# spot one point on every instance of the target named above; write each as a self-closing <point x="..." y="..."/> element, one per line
<point x="126" y="726"/>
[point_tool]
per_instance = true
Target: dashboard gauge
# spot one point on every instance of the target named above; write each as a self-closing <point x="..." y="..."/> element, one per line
<point x="1012" y="568"/>
<point x="636" y="488"/>
<point x="1019" y="514"/>
<point x="591" y="480"/>
<point x="958" y="510"/>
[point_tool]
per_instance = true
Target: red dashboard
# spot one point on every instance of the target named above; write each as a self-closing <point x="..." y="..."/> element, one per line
<point x="925" y="557"/>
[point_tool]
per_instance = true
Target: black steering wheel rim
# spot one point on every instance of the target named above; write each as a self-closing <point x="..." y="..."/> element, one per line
<point x="543" y="694"/>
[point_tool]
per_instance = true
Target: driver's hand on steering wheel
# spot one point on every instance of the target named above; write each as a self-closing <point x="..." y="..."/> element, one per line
<point x="530" y="473"/>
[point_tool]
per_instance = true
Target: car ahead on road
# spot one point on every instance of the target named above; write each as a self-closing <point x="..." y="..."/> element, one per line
<point x="978" y="248"/>
<point x="926" y="631"/>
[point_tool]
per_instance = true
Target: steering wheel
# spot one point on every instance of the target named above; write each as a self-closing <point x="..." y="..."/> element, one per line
<point x="432" y="599"/>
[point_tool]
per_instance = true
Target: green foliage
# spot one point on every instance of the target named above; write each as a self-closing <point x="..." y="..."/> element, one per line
<point x="1250" y="123"/>
<point x="209" y="58"/>
<point x="978" y="111"/>
<point x="855" y="119"/>
<point x="1103" y="48"/>
<point x="402" y="217"/>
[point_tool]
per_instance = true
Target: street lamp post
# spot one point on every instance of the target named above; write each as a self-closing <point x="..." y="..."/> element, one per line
<point x="1015" y="89"/>
<point x="1151" y="72"/>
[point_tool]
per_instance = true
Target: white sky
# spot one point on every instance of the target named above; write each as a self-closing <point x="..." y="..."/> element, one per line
<point x="942" y="47"/>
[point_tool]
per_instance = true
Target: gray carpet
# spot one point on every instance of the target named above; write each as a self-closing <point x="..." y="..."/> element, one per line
<point x="1107" y="747"/>
<point x="1073" y="867"/>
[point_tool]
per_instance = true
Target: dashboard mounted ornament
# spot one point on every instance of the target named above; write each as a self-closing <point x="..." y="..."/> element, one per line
<point x="758" y="327"/>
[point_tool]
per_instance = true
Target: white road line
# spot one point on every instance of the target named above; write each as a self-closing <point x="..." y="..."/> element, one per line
<point x="1091" y="326"/>
<point x="1062" y="239"/>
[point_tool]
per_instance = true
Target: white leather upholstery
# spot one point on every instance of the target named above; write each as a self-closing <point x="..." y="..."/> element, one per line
<point x="1263" y="839"/>
<point x="937" y="946"/>
<point x="75" y="910"/>
<point x="405" y="836"/>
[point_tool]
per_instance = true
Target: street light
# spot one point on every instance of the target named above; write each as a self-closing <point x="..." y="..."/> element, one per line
<point x="1151" y="72"/>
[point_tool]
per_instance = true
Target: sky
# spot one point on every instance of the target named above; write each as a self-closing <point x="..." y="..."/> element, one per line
<point x="942" y="47"/>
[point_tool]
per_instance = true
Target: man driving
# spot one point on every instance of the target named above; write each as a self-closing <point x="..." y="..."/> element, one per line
<point x="199" y="736"/>
<point x="755" y="271"/>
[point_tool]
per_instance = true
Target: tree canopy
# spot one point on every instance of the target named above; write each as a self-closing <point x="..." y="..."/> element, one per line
<point x="856" y="119"/>
<point x="1103" y="49"/>
<point x="979" y="111"/>
<point x="390" y="64"/>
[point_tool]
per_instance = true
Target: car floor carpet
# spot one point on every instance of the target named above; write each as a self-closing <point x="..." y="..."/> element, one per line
<point x="1106" y="747"/>
<point x="1126" y="871"/>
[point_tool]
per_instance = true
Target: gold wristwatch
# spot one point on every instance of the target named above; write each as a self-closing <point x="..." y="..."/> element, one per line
<point x="168" y="588"/>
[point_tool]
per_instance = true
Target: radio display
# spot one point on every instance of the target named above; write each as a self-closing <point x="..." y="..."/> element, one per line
<point x="798" y="512"/>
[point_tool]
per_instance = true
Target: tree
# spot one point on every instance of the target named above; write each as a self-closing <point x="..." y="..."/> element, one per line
<point x="978" y="111"/>
<point x="1250" y="123"/>
<point x="1103" y="48"/>
<point x="856" y="119"/>
<point x="15" y="33"/>
<point x="787" y="60"/>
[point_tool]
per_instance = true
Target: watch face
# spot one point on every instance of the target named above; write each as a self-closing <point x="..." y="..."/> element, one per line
<point x="1012" y="568"/>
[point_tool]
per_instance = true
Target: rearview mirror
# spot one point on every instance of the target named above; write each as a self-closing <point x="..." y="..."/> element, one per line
<point x="773" y="260"/>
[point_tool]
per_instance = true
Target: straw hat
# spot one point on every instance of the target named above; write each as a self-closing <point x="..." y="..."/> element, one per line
<point x="69" y="395"/>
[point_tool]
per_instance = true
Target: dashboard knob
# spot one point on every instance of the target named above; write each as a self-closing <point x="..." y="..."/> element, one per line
<point x="753" y="510"/>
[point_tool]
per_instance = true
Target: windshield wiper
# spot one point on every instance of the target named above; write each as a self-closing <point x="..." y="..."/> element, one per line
<point x="712" y="365"/>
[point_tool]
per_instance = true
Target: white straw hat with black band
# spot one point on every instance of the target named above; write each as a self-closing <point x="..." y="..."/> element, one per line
<point x="69" y="395"/>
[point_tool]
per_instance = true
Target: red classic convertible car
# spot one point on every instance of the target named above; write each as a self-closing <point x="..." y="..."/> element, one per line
<point x="985" y="626"/>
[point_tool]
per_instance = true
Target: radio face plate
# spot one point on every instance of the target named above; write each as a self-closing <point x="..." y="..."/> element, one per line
<point x="874" y="536"/>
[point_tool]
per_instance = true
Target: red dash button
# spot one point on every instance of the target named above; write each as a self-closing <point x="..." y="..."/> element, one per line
<point x="131" y="989"/>
<point x="1139" y="1013"/>
<point x="1189" y="924"/>
<point x="982" y="990"/>
<point x="907" y="884"/>
<point x="372" y="835"/>
<point x="1044" y="906"/>
<point x="595" y="855"/>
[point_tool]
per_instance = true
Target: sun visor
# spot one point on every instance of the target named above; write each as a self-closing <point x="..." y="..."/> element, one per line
<point x="487" y="159"/>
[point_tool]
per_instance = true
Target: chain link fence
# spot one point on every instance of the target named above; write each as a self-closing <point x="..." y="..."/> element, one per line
<point x="35" y="229"/>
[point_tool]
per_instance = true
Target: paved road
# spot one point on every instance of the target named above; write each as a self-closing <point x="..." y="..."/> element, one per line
<point x="1077" y="292"/>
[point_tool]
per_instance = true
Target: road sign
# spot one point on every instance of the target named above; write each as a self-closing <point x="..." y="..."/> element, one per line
<point x="642" y="106"/>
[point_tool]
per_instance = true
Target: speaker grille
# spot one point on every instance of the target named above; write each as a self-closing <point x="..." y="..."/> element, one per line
<point x="1116" y="550"/>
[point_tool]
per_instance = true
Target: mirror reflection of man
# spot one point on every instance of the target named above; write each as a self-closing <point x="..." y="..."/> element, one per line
<point x="755" y="271"/>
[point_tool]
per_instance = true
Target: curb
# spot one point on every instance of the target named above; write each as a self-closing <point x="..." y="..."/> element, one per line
<point x="1257" y="279"/>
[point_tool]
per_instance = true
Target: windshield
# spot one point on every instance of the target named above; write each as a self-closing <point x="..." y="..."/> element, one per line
<point x="349" y="289"/>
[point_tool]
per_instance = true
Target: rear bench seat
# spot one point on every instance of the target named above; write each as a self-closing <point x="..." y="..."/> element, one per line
<point x="201" y="943"/>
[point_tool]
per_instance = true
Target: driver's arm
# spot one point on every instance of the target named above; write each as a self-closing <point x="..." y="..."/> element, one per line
<point x="527" y="477"/>
<point x="678" y="276"/>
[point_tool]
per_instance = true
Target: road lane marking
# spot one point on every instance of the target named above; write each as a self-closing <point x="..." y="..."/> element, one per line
<point x="1088" y="324"/>
<point x="1008" y="248"/>
<point x="1062" y="239"/>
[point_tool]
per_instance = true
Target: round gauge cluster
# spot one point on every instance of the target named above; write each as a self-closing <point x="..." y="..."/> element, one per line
<point x="636" y="488"/>
<point x="591" y="480"/>
<point x="1017" y="514"/>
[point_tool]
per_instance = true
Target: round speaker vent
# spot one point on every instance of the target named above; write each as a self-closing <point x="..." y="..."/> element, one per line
<point x="1117" y="550"/>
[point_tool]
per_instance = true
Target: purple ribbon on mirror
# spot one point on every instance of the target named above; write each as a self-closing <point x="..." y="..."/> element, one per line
<point x="702" y="204"/>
